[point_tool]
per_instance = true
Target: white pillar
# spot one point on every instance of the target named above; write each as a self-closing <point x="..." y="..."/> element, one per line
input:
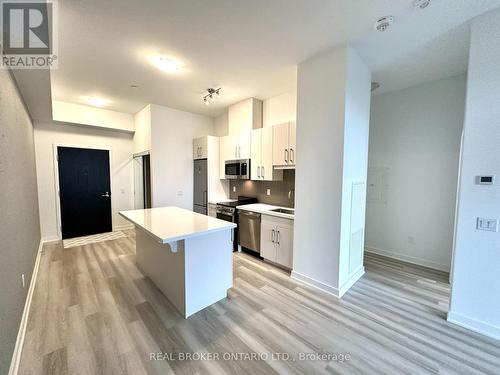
<point x="475" y="299"/>
<point x="333" y="112"/>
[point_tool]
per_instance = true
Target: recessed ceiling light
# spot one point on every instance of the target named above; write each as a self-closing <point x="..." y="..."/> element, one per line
<point x="384" y="23"/>
<point x="422" y="4"/>
<point x="96" y="102"/>
<point x="166" y="64"/>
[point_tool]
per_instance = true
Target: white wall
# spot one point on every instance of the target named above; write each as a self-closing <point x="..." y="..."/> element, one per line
<point x="91" y="116"/>
<point x="172" y="134"/>
<point x="280" y="109"/>
<point x="413" y="159"/>
<point x="221" y="125"/>
<point x="333" y="99"/>
<point x="142" y="135"/>
<point x="122" y="188"/>
<point x="476" y="282"/>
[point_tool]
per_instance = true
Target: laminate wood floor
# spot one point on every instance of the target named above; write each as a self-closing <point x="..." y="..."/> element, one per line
<point x="93" y="312"/>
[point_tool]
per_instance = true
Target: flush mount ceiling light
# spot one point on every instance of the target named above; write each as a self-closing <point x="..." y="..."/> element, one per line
<point x="212" y="94"/>
<point x="96" y="102"/>
<point x="166" y="64"/>
<point x="421" y="4"/>
<point x="384" y="23"/>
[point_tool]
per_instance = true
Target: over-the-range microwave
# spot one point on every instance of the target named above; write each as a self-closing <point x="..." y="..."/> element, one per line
<point x="237" y="169"/>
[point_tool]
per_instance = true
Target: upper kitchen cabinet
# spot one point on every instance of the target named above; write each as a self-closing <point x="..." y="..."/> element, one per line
<point x="200" y="148"/>
<point x="284" y="145"/>
<point x="262" y="156"/>
<point x="245" y="116"/>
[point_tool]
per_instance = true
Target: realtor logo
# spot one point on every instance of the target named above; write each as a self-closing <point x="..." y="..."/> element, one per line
<point x="28" y="34"/>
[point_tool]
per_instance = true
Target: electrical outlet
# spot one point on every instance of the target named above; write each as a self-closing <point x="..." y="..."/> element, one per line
<point x="23" y="280"/>
<point x="490" y="225"/>
<point x="268" y="192"/>
<point x="234" y="189"/>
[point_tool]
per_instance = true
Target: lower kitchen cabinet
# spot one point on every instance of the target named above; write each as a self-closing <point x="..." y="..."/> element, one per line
<point x="276" y="240"/>
<point x="212" y="210"/>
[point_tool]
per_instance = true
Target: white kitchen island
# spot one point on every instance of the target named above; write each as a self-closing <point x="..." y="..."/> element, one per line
<point x="188" y="256"/>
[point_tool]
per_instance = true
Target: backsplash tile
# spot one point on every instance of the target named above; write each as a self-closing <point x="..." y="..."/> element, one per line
<point x="258" y="189"/>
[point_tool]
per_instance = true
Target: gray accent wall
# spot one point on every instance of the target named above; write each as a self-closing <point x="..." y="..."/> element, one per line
<point x="258" y="189"/>
<point x="19" y="220"/>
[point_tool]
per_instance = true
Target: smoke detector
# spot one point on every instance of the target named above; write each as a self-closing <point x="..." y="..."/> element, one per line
<point x="421" y="4"/>
<point x="384" y="23"/>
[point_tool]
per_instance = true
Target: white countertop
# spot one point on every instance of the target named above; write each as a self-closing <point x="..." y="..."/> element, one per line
<point x="169" y="224"/>
<point x="266" y="210"/>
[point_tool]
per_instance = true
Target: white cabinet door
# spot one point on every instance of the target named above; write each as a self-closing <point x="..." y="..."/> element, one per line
<point x="256" y="155"/>
<point x="200" y="148"/>
<point x="284" y="245"/>
<point x="292" y="143"/>
<point x="244" y="145"/>
<point x="267" y="247"/>
<point x="280" y="144"/>
<point x="266" y="171"/>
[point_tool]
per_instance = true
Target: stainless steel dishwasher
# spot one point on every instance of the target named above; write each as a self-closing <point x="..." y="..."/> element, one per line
<point x="249" y="230"/>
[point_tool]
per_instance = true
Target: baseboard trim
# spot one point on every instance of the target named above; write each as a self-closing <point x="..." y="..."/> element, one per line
<point x="50" y="239"/>
<point x="474" y="325"/>
<point x="315" y="284"/>
<point x="352" y="280"/>
<point x="18" y="348"/>
<point x="409" y="259"/>
<point x="123" y="227"/>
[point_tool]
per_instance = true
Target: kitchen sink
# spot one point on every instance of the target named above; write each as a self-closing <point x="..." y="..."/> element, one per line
<point x="284" y="211"/>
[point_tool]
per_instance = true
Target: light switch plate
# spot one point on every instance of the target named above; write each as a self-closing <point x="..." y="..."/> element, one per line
<point x="490" y="225"/>
<point x="268" y="192"/>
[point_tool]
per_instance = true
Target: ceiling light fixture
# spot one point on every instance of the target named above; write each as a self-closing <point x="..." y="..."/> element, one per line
<point x="166" y="64"/>
<point x="421" y="4"/>
<point x="384" y="23"/>
<point x="96" y="102"/>
<point x="211" y="96"/>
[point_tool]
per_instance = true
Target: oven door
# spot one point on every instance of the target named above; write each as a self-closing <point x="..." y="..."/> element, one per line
<point x="232" y="169"/>
<point x="225" y="217"/>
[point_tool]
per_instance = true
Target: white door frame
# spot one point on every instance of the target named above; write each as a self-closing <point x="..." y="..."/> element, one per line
<point x="56" y="178"/>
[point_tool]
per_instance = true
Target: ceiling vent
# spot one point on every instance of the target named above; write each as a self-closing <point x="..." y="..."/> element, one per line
<point x="384" y="23"/>
<point x="422" y="4"/>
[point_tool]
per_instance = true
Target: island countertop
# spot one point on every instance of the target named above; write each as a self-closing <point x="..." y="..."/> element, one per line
<point x="169" y="224"/>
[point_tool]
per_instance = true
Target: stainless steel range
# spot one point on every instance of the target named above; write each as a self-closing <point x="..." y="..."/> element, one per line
<point x="227" y="211"/>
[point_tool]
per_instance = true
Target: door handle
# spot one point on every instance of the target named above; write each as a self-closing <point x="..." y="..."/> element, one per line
<point x="286" y="155"/>
<point x="258" y="172"/>
<point x="106" y="195"/>
<point x="292" y="155"/>
<point x="273" y="234"/>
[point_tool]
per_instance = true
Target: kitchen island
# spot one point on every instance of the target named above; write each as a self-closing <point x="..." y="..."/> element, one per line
<point x="188" y="256"/>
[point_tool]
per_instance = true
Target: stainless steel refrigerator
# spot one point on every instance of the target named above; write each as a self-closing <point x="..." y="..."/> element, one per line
<point x="200" y="187"/>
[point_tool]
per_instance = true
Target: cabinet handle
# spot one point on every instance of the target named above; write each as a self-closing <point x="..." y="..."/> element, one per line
<point x="286" y="155"/>
<point x="263" y="172"/>
<point x="258" y="172"/>
<point x="292" y="155"/>
<point x="273" y="234"/>
<point x="278" y="237"/>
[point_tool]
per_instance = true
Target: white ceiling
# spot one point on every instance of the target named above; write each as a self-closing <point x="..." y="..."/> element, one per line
<point x="249" y="48"/>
